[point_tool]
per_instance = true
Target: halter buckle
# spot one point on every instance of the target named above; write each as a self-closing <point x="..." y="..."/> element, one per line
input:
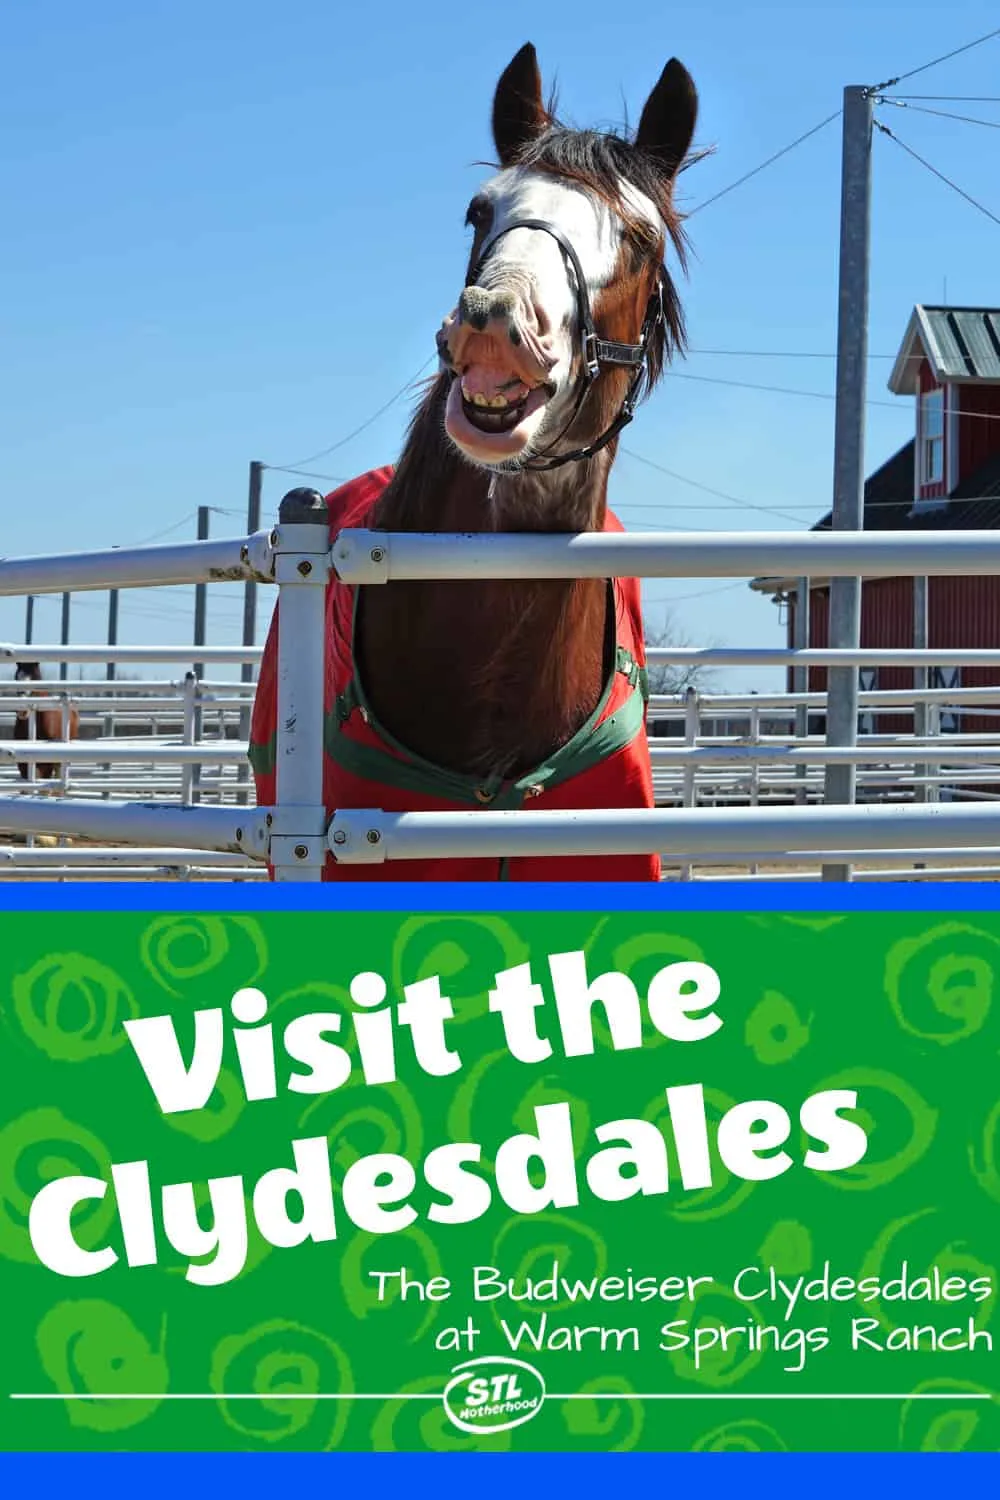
<point x="590" y="356"/>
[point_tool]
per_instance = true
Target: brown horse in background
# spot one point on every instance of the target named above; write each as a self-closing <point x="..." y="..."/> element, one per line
<point x="48" y="724"/>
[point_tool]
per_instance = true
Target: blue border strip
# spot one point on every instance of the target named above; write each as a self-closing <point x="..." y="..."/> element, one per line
<point x="446" y="896"/>
<point x="106" y="1476"/>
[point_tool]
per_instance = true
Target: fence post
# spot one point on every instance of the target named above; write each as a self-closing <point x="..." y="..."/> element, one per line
<point x="32" y="768"/>
<point x="933" y="730"/>
<point x="800" y="678"/>
<point x="298" y="846"/>
<point x="249" y="622"/>
<point x="110" y="673"/>
<point x="187" y="737"/>
<point x="754" y="767"/>
<point x="921" y="678"/>
<point x="692" y="723"/>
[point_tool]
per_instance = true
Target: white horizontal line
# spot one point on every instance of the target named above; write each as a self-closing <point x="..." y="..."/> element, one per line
<point x="551" y="1396"/>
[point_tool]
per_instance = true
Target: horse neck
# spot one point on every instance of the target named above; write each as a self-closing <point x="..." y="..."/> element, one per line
<point x="484" y="677"/>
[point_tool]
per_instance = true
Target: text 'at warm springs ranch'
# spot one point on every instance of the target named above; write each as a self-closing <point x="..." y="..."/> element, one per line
<point x="527" y="1325"/>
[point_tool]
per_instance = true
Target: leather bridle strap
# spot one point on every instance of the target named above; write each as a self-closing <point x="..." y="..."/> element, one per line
<point x="596" y="351"/>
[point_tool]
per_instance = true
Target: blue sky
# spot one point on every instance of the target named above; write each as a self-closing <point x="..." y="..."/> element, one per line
<point x="231" y="230"/>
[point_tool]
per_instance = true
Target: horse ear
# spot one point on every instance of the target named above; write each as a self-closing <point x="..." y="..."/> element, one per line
<point x="518" y="112"/>
<point x="669" y="117"/>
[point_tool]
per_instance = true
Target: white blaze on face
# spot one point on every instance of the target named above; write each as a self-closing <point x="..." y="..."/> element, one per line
<point x="531" y="264"/>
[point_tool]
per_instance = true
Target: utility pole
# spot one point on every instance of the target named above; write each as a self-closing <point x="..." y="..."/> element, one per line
<point x="64" y="636"/>
<point x="201" y="593"/>
<point x="849" y="439"/>
<point x="112" y="629"/>
<point x="110" y="672"/>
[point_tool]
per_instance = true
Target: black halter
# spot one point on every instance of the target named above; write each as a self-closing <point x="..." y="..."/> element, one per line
<point x="596" y="351"/>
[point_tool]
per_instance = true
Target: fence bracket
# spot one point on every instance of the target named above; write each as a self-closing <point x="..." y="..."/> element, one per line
<point x="357" y="836"/>
<point x="361" y="556"/>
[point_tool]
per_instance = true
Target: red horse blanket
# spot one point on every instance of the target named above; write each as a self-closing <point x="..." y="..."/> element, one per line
<point x="606" y="764"/>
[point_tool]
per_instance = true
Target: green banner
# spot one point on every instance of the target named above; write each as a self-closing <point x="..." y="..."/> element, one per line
<point x="535" y="1181"/>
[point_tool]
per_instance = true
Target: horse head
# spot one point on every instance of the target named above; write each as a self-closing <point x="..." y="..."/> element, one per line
<point x="568" y="312"/>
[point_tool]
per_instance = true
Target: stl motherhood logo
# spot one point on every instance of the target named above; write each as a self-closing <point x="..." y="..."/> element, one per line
<point x="493" y="1394"/>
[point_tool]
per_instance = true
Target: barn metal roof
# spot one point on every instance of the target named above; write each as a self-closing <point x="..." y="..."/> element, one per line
<point x="961" y="343"/>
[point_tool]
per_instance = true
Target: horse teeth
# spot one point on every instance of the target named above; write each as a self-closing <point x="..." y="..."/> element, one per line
<point x="480" y="400"/>
<point x="499" y="402"/>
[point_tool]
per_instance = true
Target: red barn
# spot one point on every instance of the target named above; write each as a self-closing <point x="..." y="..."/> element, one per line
<point x="947" y="477"/>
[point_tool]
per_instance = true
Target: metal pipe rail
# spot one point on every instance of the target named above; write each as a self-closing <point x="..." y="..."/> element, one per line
<point x="822" y="754"/>
<point x="24" y="858"/>
<point x="231" y="560"/>
<point x="894" y="857"/>
<point x="99" y="752"/>
<point x="161" y="706"/>
<point x="373" y="557"/>
<point x="127" y="655"/>
<point x="368" y="836"/>
<point x="821" y="656"/>
<point x="241" y="830"/>
<point x="162" y="871"/>
<point x="938" y="873"/>
<point x="897" y="699"/>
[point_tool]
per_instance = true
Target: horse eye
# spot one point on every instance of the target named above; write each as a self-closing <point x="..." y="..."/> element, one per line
<point x="478" y="212"/>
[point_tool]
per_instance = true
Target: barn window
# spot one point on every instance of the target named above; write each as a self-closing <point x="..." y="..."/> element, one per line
<point x="931" y="435"/>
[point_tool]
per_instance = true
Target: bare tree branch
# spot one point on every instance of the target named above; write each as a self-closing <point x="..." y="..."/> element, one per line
<point x="672" y="677"/>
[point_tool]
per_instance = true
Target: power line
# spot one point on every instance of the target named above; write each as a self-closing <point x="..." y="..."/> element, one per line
<point x="788" y="390"/>
<point x="300" y="463"/>
<point x="955" y="98"/>
<point x="307" y="473"/>
<point x="753" y="172"/>
<point x="778" y="354"/>
<point x="778" y="390"/>
<point x="707" y="489"/>
<point x="724" y="588"/>
<point x="167" y="531"/>
<point x="953" y="185"/>
<point x="941" y="114"/>
<point x="956" y="51"/>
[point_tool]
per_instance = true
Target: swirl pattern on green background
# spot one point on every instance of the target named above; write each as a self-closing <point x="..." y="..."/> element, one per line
<point x="72" y="1007"/>
<point x="911" y="1025"/>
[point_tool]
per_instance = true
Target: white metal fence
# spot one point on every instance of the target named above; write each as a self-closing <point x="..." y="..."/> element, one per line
<point x="215" y="832"/>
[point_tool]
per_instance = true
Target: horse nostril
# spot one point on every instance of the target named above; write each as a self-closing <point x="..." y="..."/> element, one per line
<point x="474" y="307"/>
